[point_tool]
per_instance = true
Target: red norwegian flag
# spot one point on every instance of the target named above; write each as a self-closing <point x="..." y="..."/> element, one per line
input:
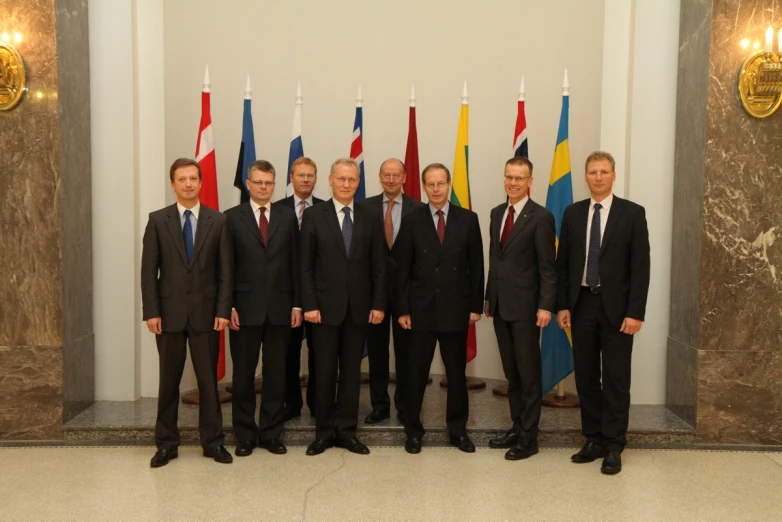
<point x="205" y="156"/>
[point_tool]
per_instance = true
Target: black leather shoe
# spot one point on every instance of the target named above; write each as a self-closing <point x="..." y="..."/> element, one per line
<point x="220" y="454"/>
<point x="319" y="446"/>
<point x="413" y="445"/>
<point x="244" y="448"/>
<point x="590" y="452"/>
<point x="510" y="439"/>
<point x="464" y="443"/>
<point x="162" y="456"/>
<point x="612" y="463"/>
<point x="353" y="445"/>
<point x="524" y="449"/>
<point x="273" y="446"/>
<point x="375" y="416"/>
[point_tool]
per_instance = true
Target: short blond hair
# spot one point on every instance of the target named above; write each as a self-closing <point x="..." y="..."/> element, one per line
<point x="600" y="155"/>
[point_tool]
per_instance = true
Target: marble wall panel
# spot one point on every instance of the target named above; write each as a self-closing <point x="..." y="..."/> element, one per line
<point x="681" y="386"/>
<point x="31" y="392"/>
<point x="740" y="397"/>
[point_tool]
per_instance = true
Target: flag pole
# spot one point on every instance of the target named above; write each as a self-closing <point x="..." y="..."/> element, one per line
<point x="560" y="398"/>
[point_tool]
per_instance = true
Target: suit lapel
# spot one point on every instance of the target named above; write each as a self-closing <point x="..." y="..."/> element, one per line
<point x="202" y="229"/>
<point x="358" y="227"/>
<point x="521" y="221"/>
<point x="583" y="218"/>
<point x="496" y="226"/>
<point x="332" y="222"/>
<point x="453" y="223"/>
<point x="248" y="218"/>
<point x="274" y="223"/>
<point x="407" y="205"/>
<point x="614" y="215"/>
<point x="174" y="226"/>
<point x="429" y="229"/>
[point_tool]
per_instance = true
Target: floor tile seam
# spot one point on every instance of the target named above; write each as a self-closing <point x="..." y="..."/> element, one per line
<point x="319" y="482"/>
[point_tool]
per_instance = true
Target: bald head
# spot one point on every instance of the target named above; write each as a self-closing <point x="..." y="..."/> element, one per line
<point x="392" y="177"/>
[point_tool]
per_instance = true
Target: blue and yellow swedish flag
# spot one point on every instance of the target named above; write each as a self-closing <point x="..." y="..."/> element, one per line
<point x="556" y="348"/>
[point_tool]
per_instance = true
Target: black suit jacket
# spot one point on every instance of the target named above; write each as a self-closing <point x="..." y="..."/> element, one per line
<point x="333" y="278"/>
<point x="291" y="204"/>
<point x="440" y="285"/>
<point x="266" y="278"/>
<point x="624" y="259"/>
<point x="374" y="206"/>
<point x="175" y="291"/>
<point x="523" y="274"/>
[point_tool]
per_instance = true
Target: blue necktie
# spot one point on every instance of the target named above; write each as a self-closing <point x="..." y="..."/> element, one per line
<point x="347" y="229"/>
<point x="187" y="234"/>
<point x="593" y="269"/>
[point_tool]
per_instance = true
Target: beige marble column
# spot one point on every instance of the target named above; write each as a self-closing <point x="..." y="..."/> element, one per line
<point x="724" y="367"/>
<point x="46" y="335"/>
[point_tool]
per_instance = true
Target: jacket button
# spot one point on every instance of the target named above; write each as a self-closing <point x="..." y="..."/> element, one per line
<point x="436" y="269"/>
<point x="437" y="291"/>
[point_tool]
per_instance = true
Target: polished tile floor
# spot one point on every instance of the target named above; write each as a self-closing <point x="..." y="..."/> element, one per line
<point x="440" y="484"/>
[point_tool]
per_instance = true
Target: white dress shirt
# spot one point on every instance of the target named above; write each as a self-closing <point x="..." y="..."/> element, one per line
<point x="606" y="203"/>
<point x="341" y="215"/>
<point x="297" y="204"/>
<point x="445" y="210"/>
<point x="257" y="211"/>
<point x="517" y="210"/>
<point x="193" y="218"/>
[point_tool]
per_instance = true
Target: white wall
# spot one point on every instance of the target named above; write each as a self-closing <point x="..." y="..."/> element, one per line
<point x="331" y="48"/>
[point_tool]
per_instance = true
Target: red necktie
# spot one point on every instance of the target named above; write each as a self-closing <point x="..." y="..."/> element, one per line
<point x="508" y="225"/>
<point x="440" y="226"/>
<point x="263" y="224"/>
<point x="388" y="224"/>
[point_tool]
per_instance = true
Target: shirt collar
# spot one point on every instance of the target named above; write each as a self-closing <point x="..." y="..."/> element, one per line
<point x="606" y="203"/>
<point x="255" y="206"/>
<point x="519" y="206"/>
<point x="397" y="199"/>
<point x="339" y="206"/>
<point x="297" y="200"/>
<point x="194" y="210"/>
<point x="445" y="209"/>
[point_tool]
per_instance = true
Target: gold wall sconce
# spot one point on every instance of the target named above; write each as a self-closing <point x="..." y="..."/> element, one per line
<point x="13" y="77"/>
<point x="760" y="79"/>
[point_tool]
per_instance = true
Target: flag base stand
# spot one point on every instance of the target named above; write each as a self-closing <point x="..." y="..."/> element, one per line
<point x="567" y="400"/>
<point x="473" y="383"/>
<point x="229" y="386"/>
<point x="192" y="398"/>
<point x="392" y="379"/>
<point x="304" y="380"/>
<point x="501" y="390"/>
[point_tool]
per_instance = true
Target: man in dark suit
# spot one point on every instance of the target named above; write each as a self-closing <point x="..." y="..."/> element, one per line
<point x="266" y="306"/>
<point x="342" y="290"/>
<point x="521" y="295"/>
<point x="186" y="282"/>
<point x="304" y="175"/>
<point x="390" y="207"/>
<point x="440" y="263"/>
<point x="602" y="284"/>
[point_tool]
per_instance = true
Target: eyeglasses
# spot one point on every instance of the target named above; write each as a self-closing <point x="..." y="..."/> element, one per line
<point x="388" y="176"/>
<point x="259" y="183"/>
<point x="439" y="185"/>
<point x="516" y="179"/>
<point x="342" y="181"/>
<point x="305" y="176"/>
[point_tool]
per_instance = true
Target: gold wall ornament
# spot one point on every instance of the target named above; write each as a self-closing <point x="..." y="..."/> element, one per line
<point x="760" y="78"/>
<point x="13" y="77"/>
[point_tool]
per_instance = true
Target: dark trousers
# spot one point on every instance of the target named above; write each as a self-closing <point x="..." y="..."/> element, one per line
<point x="172" y="351"/>
<point x="340" y="348"/>
<point x="377" y="345"/>
<point x="453" y="350"/>
<point x="519" y="343"/>
<point x="245" y="351"/>
<point x="604" y="409"/>
<point x="293" y="398"/>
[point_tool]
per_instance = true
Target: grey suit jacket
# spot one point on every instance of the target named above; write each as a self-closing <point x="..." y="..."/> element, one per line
<point x="178" y="291"/>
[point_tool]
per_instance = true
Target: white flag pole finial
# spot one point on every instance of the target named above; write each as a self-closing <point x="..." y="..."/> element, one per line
<point x="412" y="95"/>
<point x="299" y="97"/>
<point x="465" y="98"/>
<point x="207" y="83"/>
<point x="248" y="91"/>
<point x="565" y="86"/>
<point x="359" y="98"/>
<point x="522" y="90"/>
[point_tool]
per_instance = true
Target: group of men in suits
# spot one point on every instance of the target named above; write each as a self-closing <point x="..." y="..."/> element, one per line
<point x="345" y="274"/>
